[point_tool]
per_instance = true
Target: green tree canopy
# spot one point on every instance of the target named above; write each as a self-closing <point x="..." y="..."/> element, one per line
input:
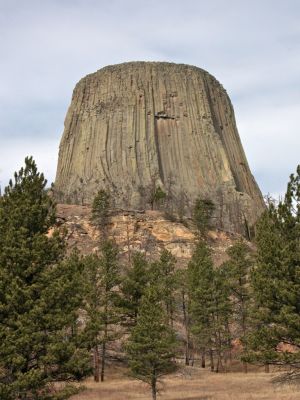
<point x="151" y="346"/>
<point x="102" y="300"/>
<point x="237" y="273"/>
<point x="133" y="287"/>
<point x="202" y="214"/>
<point x="276" y="284"/>
<point x="100" y="208"/>
<point x="209" y="303"/>
<point x="163" y="275"/>
<point x="40" y="294"/>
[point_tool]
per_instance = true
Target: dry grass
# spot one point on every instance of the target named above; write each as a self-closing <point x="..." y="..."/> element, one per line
<point x="191" y="384"/>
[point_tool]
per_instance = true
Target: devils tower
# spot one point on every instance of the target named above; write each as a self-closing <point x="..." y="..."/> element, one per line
<point x="137" y="126"/>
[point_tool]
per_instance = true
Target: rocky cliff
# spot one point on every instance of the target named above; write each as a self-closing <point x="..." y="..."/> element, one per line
<point x="134" y="127"/>
<point x="147" y="231"/>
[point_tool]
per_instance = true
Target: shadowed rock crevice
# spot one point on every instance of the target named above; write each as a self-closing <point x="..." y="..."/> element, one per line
<point x="139" y="124"/>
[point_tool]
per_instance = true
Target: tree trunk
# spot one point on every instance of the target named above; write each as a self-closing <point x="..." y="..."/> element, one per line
<point x="192" y="358"/>
<point x="227" y="363"/>
<point x="103" y="360"/>
<point x="187" y="335"/>
<point x="153" y="388"/>
<point x="229" y="344"/>
<point x="267" y="368"/>
<point x="96" y="364"/>
<point x="171" y="314"/>
<point x="187" y="356"/>
<point x="245" y="365"/>
<point x="230" y="355"/>
<point x="219" y="362"/>
<point x="212" y="365"/>
<point x="219" y="352"/>
<point x="104" y="341"/>
<point x="203" y="358"/>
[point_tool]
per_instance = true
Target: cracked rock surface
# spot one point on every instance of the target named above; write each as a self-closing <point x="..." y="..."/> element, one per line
<point x="148" y="232"/>
<point x="136" y="126"/>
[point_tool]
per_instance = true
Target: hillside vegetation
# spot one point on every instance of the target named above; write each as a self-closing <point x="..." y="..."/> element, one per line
<point x="67" y="316"/>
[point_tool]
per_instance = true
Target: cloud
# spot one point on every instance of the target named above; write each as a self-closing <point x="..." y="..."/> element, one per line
<point x="251" y="47"/>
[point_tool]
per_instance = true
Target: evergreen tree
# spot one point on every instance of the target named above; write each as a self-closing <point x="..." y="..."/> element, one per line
<point x="200" y="277"/>
<point x="102" y="298"/>
<point x="151" y="346"/>
<point x="153" y="192"/>
<point x="100" y="209"/>
<point x="209" y="304"/>
<point x="202" y="214"/>
<point x="186" y="320"/>
<point x="93" y="306"/>
<point x="163" y="274"/>
<point x="40" y="295"/>
<point x="157" y="196"/>
<point x="276" y="284"/>
<point x="133" y="288"/>
<point x="102" y="302"/>
<point x="221" y="312"/>
<point x="237" y="272"/>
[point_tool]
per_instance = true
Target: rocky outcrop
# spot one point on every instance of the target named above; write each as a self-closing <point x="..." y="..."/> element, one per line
<point x="136" y="126"/>
<point x="149" y="232"/>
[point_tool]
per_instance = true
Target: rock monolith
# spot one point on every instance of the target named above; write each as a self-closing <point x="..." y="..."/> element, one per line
<point x="135" y="127"/>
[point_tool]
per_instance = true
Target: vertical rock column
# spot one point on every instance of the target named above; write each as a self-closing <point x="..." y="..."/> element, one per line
<point x="139" y="124"/>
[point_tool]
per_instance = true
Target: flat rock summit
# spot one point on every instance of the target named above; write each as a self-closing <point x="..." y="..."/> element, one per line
<point x="135" y="127"/>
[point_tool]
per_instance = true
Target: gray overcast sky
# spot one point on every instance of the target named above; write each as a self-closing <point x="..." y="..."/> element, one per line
<point x="251" y="47"/>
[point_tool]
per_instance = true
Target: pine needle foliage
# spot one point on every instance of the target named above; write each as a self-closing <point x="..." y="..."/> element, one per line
<point x="162" y="273"/>
<point x="202" y="214"/>
<point x="100" y="209"/>
<point x="237" y="271"/>
<point x="40" y="294"/>
<point x="151" y="346"/>
<point x="210" y="306"/>
<point x="102" y="300"/>
<point x="276" y="284"/>
<point x="133" y="288"/>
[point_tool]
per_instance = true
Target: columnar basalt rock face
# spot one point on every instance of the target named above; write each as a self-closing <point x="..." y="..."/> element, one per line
<point x="136" y="126"/>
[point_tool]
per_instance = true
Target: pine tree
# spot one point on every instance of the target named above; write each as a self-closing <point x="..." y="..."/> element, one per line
<point x="102" y="302"/>
<point x="200" y="277"/>
<point x="153" y="192"/>
<point x="93" y="306"/>
<point x="100" y="209"/>
<point x="221" y="312"/>
<point x="163" y="274"/>
<point x="209" y="304"/>
<point x="276" y="284"/>
<point x="237" y="273"/>
<point x="157" y="197"/>
<point x="186" y="320"/>
<point x="202" y="214"/>
<point x="151" y="346"/>
<point x="102" y="299"/>
<point x="133" y="288"/>
<point x="40" y="294"/>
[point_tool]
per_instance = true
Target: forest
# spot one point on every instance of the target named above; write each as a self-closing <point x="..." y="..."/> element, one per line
<point x="60" y="312"/>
